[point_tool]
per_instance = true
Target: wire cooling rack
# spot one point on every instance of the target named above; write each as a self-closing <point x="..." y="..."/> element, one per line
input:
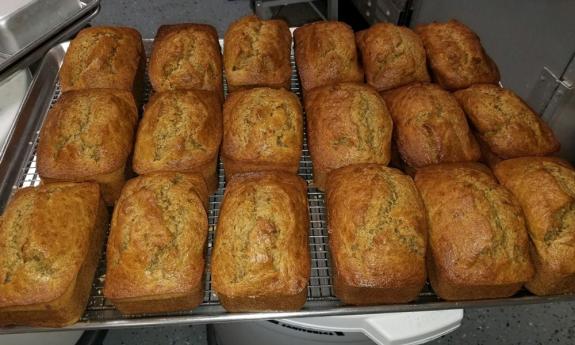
<point x="319" y="289"/>
<point x="101" y="313"/>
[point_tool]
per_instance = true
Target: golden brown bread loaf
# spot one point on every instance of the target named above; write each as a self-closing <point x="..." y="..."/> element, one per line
<point x="186" y="56"/>
<point x="325" y="53"/>
<point x="477" y="236"/>
<point x="88" y="136"/>
<point x="347" y="123"/>
<point x="505" y="123"/>
<point x="104" y="57"/>
<point x="155" y="255"/>
<point x="50" y="239"/>
<point x="261" y="258"/>
<point x="545" y="188"/>
<point x="263" y="130"/>
<point x="392" y="56"/>
<point x="378" y="237"/>
<point x="455" y="54"/>
<point x="257" y="53"/>
<point x="180" y="131"/>
<point x="430" y="127"/>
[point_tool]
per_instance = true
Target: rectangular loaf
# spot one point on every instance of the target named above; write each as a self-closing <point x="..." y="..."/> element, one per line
<point x="186" y="56"/>
<point x="456" y="57"/>
<point x="260" y="260"/>
<point x="377" y="235"/>
<point x="508" y="126"/>
<point x="392" y="56"/>
<point x="430" y="127"/>
<point x="263" y="130"/>
<point x="325" y="53"/>
<point x="155" y="255"/>
<point x="180" y="131"/>
<point x="105" y="57"/>
<point x="478" y="240"/>
<point x="347" y="123"/>
<point x="545" y="188"/>
<point x="88" y="136"/>
<point x="257" y="53"/>
<point x="50" y="239"/>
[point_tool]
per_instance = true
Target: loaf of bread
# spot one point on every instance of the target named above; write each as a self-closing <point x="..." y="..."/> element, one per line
<point x="104" y="57"/>
<point x="50" y="241"/>
<point x="505" y="123"/>
<point x="186" y="56"/>
<point x="155" y="255"/>
<point x="325" y="53"/>
<point x="455" y="54"/>
<point x="392" y="56"/>
<point x="478" y="240"/>
<point x="347" y="123"/>
<point x="257" y="53"/>
<point x="180" y="131"/>
<point x="430" y="127"/>
<point x="263" y="130"/>
<point x="545" y="188"/>
<point x="260" y="260"/>
<point x="88" y="136"/>
<point x="377" y="235"/>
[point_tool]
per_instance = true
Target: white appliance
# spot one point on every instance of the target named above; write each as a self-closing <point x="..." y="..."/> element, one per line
<point x="383" y="329"/>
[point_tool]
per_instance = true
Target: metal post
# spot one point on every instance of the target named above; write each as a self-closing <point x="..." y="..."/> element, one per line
<point x="332" y="9"/>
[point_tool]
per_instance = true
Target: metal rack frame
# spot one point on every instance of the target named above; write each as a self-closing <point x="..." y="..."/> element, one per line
<point x="18" y="169"/>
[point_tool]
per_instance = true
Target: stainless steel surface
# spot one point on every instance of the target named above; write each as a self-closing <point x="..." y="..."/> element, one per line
<point x="19" y="37"/>
<point x="560" y="112"/>
<point x="543" y="90"/>
<point x="13" y="91"/>
<point x="20" y="171"/>
<point x="38" y="52"/>
<point x="522" y="36"/>
<point x="375" y="11"/>
<point x="263" y="7"/>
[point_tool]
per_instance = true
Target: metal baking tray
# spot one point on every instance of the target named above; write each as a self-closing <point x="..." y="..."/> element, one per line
<point x="26" y="24"/>
<point x="19" y="170"/>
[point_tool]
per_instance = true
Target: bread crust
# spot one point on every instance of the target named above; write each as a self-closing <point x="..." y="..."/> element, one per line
<point x="430" y="127"/>
<point x="263" y="130"/>
<point x="157" y="218"/>
<point x="104" y="57"/>
<point x="377" y="238"/>
<point x="508" y="126"/>
<point x="392" y="56"/>
<point x="455" y="55"/>
<point x="325" y="53"/>
<point x="257" y="53"/>
<point x="478" y="243"/>
<point x="51" y="238"/>
<point x="545" y="188"/>
<point x="187" y="56"/>
<point x="88" y="136"/>
<point x="181" y="131"/>
<point x="261" y="257"/>
<point x="347" y="123"/>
